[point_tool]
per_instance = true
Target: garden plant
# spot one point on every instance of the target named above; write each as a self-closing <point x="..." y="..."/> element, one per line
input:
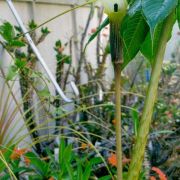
<point x="137" y="28"/>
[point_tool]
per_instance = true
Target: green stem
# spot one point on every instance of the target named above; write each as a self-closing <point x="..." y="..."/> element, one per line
<point x="116" y="55"/>
<point x="145" y="123"/>
<point x="117" y="71"/>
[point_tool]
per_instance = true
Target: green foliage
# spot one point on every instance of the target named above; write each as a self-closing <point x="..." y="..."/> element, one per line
<point x="135" y="36"/>
<point x="60" y="56"/>
<point x="68" y="166"/>
<point x="94" y="35"/>
<point x="8" y="34"/>
<point x="32" y="24"/>
<point x="150" y="46"/>
<point x="39" y="166"/>
<point x="156" y="11"/>
<point x="133" y="30"/>
<point x="5" y="154"/>
<point x="135" y="118"/>
<point x="45" y="31"/>
<point x="178" y="13"/>
<point x="12" y="72"/>
<point x="44" y="93"/>
<point x="14" y="69"/>
<point x="7" y="31"/>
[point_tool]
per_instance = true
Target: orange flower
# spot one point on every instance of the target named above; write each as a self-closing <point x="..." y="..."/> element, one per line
<point x="162" y="176"/>
<point x="51" y="178"/>
<point x="27" y="161"/>
<point x="17" y="153"/>
<point x="114" y="122"/>
<point x="84" y="146"/>
<point x="112" y="159"/>
<point x="152" y="178"/>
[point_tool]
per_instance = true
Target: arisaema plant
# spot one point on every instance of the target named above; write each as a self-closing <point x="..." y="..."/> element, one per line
<point x="145" y="26"/>
<point x="136" y="26"/>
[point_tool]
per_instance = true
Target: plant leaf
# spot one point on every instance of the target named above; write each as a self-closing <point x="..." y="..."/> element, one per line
<point x="156" y="11"/>
<point x="12" y="72"/>
<point x="17" y="43"/>
<point x="150" y="46"/>
<point x="39" y="166"/>
<point x="133" y="31"/>
<point x="178" y="13"/>
<point x="93" y="36"/>
<point x="44" y="93"/>
<point x="7" y="31"/>
<point x="135" y="7"/>
<point x="6" y="155"/>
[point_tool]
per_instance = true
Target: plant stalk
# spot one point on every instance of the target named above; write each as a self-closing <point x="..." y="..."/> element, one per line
<point x="117" y="71"/>
<point x="145" y="123"/>
<point x="116" y="55"/>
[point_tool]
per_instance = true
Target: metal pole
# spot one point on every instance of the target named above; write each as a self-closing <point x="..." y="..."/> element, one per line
<point x="36" y="52"/>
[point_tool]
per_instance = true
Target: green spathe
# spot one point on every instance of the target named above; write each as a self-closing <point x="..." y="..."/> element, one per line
<point x="109" y="9"/>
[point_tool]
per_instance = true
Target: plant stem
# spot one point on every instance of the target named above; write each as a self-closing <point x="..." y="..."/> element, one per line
<point x="143" y="131"/>
<point x="116" y="55"/>
<point x="117" y="71"/>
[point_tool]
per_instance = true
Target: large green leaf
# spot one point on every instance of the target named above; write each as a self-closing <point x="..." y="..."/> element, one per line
<point x="136" y="6"/>
<point x="156" y="11"/>
<point x="178" y="13"/>
<point x="133" y="32"/>
<point x="150" y="46"/>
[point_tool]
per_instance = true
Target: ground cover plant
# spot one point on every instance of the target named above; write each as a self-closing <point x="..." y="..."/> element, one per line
<point x="116" y="133"/>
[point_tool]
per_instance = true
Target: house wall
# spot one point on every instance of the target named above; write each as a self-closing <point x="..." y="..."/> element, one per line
<point x="68" y="26"/>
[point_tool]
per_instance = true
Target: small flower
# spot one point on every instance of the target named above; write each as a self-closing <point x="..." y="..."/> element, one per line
<point x="84" y="146"/>
<point x="112" y="159"/>
<point x="162" y="176"/>
<point x="51" y="178"/>
<point x="17" y="153"/>
<point x="114" y="122"/>
<point x="27" y="161"/>
<point x="152" y="178"/>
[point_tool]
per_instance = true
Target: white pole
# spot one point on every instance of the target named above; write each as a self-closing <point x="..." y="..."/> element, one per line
<point x="36" y="52"/>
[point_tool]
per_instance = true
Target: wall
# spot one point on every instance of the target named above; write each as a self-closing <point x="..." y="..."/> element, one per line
<point x="62" y="28"/>
<point x="68" y="26"/>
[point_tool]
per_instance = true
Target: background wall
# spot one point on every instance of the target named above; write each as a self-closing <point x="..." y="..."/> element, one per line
<point x="68" y="26"/>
